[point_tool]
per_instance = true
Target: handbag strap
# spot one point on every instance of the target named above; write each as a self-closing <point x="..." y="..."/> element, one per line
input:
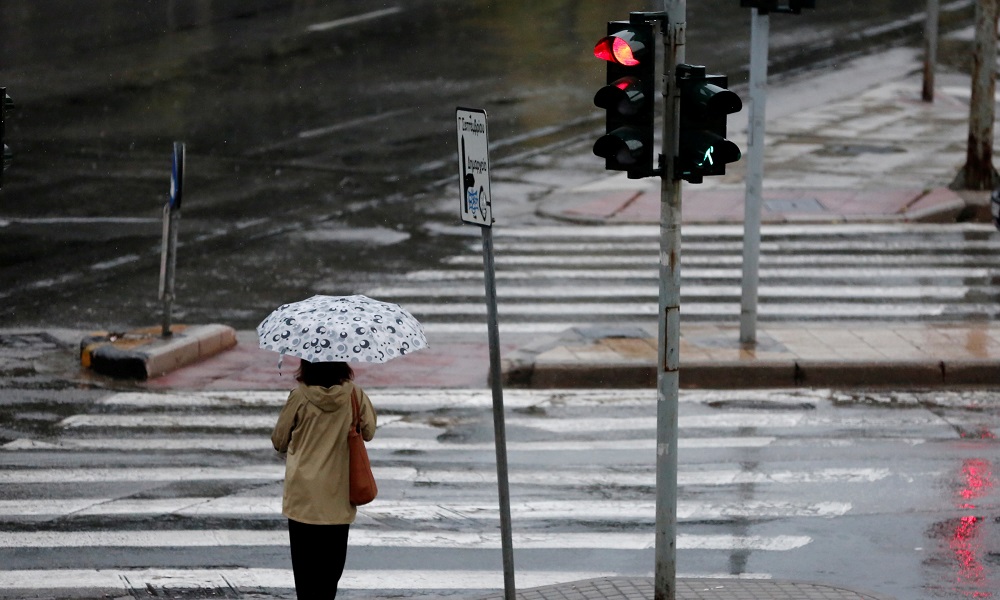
<point x="356" y="423"/>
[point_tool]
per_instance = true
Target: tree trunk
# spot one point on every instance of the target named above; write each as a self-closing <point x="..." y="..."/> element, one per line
<point x="978" y="172"/>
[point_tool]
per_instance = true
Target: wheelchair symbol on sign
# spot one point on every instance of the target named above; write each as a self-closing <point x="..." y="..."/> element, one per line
<point x="476" y="201"/>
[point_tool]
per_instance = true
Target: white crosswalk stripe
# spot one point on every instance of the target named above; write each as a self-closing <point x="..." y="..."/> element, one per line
<point x="395" y="539"/>
<point x="254" y="507"/>
<point x="578" y="485"/>
<point x="553" y="278"/>
<point x="593" y="425"/>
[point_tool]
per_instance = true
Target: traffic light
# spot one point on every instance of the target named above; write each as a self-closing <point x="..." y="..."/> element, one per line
<point x="628" y="97"/>
<point x="705" y="105"/>
<point x="778" y="6"/>
<point x="8" y="156"/>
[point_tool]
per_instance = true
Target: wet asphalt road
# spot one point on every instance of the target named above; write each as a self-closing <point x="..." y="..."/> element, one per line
<point x="889" y="492"/>
<point x="303" y="123"/>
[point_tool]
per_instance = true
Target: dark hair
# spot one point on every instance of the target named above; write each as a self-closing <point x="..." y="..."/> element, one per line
<point x="324" y="374"/>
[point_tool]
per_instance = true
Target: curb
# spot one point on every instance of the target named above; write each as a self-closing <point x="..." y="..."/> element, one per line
<point x="791" y="373"/>
<point x="641" y="207"/>
<point x="145" y="353"/>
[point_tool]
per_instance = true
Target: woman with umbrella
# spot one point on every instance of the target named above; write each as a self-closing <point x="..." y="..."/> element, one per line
<point x="312" y="429"/>
<point x="326" y="333"/>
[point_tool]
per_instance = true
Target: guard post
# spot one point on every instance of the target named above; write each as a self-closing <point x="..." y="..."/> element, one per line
<point x="168" y="253"/>
<point x="477" y="209"/>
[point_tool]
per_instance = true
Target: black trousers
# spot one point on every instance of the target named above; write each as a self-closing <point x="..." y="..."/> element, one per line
<point x="318" y="556"/>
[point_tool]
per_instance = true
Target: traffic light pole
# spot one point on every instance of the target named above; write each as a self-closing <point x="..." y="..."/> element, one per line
<point x="696" y="106"/>
<point x="668" y="364"/>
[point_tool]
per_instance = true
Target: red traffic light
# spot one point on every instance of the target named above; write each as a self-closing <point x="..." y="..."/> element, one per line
<point x="623" y="48"/>
<point x="629" y="52"/>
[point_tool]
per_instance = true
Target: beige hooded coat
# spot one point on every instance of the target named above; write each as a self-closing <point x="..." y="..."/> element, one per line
<point x="312" y="428"/>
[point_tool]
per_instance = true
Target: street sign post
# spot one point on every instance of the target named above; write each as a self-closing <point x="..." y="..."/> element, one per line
<point x="477" y="209"/>
<point x="168" y="253"/>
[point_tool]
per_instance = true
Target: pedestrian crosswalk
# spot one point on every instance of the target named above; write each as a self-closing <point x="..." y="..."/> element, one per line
<point x="553" y="278"/>
<point x="125" y="496"/>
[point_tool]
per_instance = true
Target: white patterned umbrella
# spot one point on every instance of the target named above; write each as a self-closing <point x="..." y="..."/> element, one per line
<point x="341" y="329"/>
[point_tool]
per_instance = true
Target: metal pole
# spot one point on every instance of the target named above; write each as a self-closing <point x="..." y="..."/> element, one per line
<point x="930" y="48"/>
<point x="499" y="429"/>
<point x="760" y="26"/>
<point x="669" y="334"/>
<point x="171" y="215"/>
<point x="168" y="265"/>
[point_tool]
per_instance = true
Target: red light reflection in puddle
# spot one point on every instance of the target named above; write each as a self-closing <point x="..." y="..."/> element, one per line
<point x="967" y="551"/>
<point x="978" y="480"/>
<point x="965" y="545"/>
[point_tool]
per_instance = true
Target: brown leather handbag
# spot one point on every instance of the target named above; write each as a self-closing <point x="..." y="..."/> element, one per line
<point x="363" y="488"/>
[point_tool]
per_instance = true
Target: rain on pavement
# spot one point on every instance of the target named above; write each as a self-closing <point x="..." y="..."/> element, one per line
<point x="319" y="136"/>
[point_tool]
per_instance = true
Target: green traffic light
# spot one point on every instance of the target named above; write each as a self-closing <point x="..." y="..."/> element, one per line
<point x="703" y="149"/>
<point x="707" y="158"/>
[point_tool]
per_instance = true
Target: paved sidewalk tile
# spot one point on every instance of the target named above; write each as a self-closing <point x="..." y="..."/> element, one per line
<point x="642" y="588"/>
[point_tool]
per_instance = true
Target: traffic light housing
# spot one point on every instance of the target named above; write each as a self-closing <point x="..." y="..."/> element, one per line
<point x="6" y="103"/>
<point x="778" y="6"/>
<point x="706" y="103"/>
<point x="629" y="97"/>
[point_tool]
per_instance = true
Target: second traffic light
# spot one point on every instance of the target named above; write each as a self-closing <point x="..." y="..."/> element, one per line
<point x="628" y="97"/>
<point x="705" y="105"/>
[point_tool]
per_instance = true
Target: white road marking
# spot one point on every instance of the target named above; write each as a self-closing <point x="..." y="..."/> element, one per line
<point x="788" y="273"/>
<point x="366" y="120"/>
<point x="687" y="260"/>
<point x="847" y="247"/>
<point x="362" y="537"/>
<point x="647" y="309"/>
<point x="577" y="425"/>
<point x="727" y="420"/>
<point x="411" y="399"/>
<point x="188" y="421"/>
<point x="252" y="580"/>
<point x="689" y="292"/>
<point x="375" y="14"/>
<point x="598" y="232"/>
<point x="561" y="478"/>
<point x="270" y="507"/>
<point x="243" y="443"/>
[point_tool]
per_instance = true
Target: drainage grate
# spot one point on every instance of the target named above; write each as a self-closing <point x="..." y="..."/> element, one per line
<point x="38" y="340"/>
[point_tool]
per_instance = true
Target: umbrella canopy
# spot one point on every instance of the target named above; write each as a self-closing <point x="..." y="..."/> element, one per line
<point x="341" y="329"/>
